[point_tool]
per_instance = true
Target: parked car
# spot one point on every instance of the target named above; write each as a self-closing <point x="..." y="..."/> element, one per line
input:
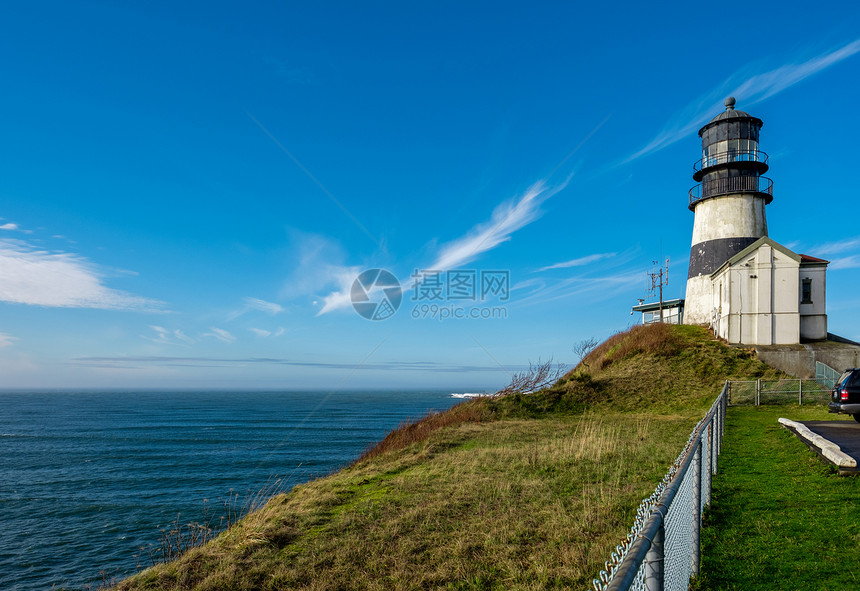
<point x="845" y="395"/>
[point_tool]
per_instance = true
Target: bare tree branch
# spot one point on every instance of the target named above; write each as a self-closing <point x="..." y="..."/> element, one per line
<point x="583" y="348"/>
<point x="536" y="377"/>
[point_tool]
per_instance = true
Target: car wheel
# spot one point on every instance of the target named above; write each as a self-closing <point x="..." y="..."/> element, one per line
<point x="856" y="417"/>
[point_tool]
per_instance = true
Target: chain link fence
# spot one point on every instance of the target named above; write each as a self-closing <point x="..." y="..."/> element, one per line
<point x="826" y="375"/>
<point x="762" y="392"/>
<point x="662" y="551"/>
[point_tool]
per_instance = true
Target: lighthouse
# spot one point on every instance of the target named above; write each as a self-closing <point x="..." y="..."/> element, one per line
<point x="728" y="202"/>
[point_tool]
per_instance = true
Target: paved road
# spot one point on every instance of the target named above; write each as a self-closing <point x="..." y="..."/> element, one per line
<point x="844" y="433"/>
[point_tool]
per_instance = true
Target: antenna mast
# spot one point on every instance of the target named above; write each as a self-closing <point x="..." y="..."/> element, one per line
<point x="659" y="278"/>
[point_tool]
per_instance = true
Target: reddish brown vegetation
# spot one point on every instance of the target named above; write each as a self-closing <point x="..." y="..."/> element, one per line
<point x="471" y="411"/>
<point x="655" y="339"/>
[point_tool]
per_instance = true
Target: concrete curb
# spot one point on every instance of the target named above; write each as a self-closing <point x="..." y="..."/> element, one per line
<point x="829" y="450"/>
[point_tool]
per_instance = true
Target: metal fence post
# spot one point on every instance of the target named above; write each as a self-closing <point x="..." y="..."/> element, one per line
<point x="758" y="391"/>
<point x="655" y="555"/>
<point x="719" y="417"/>
<point x="697" y="508"/>
<point x="717" y="437"/>
<point x="710" y="465"/>
<point x="800" y="392"/>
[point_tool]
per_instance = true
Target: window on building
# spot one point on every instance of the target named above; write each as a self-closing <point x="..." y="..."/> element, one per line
<point x="806" y="291"/>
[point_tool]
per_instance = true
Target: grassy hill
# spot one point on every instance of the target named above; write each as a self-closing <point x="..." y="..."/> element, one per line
<point x="525" y="491"/>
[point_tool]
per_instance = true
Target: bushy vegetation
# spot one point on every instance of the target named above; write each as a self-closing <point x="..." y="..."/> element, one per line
<point x="522" y="491"/>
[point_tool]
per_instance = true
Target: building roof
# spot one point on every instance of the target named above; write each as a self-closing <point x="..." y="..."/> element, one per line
<point x="754" y="247"/>
<point x="805" y="259"/>
<point x="732" y="113"/>
<point x="667" y="304"/>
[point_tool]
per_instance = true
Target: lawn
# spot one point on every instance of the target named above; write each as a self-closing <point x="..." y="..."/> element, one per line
<point x="780" y="517"/>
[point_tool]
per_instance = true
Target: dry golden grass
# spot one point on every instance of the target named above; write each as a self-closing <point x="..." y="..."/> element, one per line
<point x="514" y="504"/>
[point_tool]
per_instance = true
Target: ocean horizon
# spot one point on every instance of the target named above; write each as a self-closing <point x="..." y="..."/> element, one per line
<point x="90" y="478"/>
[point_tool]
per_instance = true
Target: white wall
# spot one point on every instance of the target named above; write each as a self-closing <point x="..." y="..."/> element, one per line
<point x="813" y="317"/>
<point x="697" y="301"/>
<point x="730" y="216"/>
<point x="756" y="299"/>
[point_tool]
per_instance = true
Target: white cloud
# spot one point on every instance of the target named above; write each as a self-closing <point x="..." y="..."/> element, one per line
<point x="183" y="337"/>
<point x="263" y="333"/>
<point x="339" y="299"/>
<point x="850" y="262"/>
<point x="264" y="306"/>
<point x="580" y="261"/>
<point x="61" y="280"/>
<point x="220" y="334"/>
<point x="843" y="254"/>
<point x="749" y="89"/>
<point x="507" y="218"/>
<point x="6" y="340"/>
<point x="9" y="226"/>
<point x="317" y="269"/>
<point x="543" y="291"/>
<point x="838" y="246"/>
<point x="168" y="337"/>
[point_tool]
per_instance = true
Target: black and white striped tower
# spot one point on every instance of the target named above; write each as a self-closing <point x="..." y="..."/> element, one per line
<point x="728" y="202"/>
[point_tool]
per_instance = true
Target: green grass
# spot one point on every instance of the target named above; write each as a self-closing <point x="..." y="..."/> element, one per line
<point x="781" y="518"/>
<point x="527" y="491"/>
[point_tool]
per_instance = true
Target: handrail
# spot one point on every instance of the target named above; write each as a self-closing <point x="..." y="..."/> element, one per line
<point x="730" y="156"/>
<point x="734" y="184"/>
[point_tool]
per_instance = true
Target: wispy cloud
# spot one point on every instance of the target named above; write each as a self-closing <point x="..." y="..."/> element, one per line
<point x="749" y="89"/>
<point x="220" y="334"/>
<point x="318" y="268"/>
<point x="6" y="340"/>
<point x="507" y="218"/>
<point x="843" y="254"/>
<point x="838" y="247"/>
<point x="339" y="299"/>
<point x="542" y="291"/>
<point x="581" y="261"/>
<point x="9" y="226"/>
<point x="263" y="333"/>
<point x="61" y="280"/>
<point x="165" y="336"/>
<point x="128" y="362"/>
<point x="263" y="306"/>
<point x="850" y="262"/>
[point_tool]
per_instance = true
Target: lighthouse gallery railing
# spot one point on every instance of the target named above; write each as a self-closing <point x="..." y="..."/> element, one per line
<point x="734" y="184"/>
<point x="663" y="551"/>
<point x="730" y="156"/>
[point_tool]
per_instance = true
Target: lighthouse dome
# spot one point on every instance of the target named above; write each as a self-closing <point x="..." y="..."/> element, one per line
<point x="731" y="112"/>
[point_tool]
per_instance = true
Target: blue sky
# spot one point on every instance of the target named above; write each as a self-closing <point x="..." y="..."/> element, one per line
<point x="187" y="193"/>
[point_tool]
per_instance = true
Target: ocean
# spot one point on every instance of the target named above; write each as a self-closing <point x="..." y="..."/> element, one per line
<point x="89" y="479"/>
